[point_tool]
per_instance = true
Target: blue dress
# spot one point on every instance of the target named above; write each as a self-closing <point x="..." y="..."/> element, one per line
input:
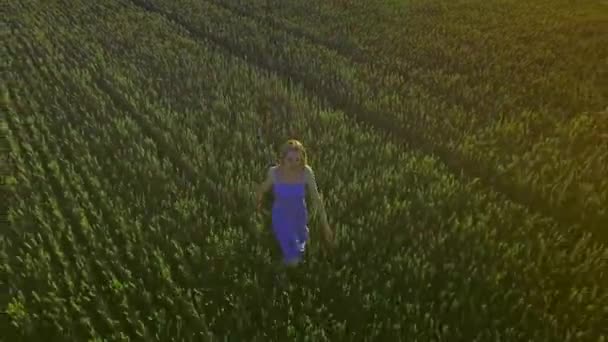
<point x="290" y="219"/>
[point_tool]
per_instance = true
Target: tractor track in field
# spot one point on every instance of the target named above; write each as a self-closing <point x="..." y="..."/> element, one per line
<point x="467" y="169"/>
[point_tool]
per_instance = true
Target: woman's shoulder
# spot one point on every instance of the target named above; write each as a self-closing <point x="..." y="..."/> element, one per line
<point x="309" y="173"/>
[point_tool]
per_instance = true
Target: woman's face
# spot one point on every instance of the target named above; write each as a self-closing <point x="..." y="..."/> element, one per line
<point x="293" y="160"/>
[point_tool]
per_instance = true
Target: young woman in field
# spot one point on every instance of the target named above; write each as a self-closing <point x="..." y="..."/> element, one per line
<point x="289" y="181"/>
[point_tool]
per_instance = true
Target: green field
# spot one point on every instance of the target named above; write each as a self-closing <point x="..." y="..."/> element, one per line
<point x="461" y="148"/>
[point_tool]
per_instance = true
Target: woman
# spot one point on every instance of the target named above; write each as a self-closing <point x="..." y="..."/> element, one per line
<point x="289" y="182"/>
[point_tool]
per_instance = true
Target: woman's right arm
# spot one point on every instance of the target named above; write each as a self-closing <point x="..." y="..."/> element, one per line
<point x="265" y="186"/>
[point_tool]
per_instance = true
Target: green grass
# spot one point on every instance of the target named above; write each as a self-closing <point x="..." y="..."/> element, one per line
<point x="132" y="135"/>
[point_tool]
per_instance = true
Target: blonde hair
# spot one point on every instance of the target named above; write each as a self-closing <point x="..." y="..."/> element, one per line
<point x="294" y="145"/>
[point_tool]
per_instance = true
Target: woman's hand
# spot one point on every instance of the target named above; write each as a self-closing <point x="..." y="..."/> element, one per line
<point x="258" y="200"/>
<point x="328" y="235"/>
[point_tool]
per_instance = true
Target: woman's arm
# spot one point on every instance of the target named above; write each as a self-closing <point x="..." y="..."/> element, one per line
<point x="319" y="206"/>
<point x="265" y="186"/>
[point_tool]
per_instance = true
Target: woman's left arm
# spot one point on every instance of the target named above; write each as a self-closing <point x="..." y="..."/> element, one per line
<point x="319" y="206"/>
